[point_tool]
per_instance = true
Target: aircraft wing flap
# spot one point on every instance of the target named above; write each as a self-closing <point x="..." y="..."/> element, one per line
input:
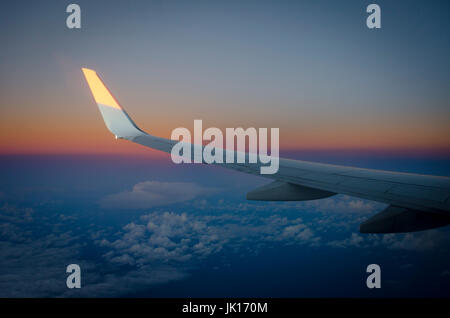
<point x="396" y="219"/>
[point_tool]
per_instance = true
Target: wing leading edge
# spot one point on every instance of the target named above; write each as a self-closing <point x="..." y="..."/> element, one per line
<point x="416" y="202"/>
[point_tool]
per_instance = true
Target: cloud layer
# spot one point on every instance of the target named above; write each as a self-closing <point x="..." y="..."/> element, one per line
<point x="162" y="246"/>
<point x="148" y="194"/>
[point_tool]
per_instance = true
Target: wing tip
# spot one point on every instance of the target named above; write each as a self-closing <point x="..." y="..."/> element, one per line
<point x="101" y="93"/>
<point x="87" y="71"/>
<point x="115" y="117"/>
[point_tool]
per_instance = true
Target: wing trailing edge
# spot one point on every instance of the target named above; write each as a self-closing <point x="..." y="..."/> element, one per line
<point x="396" y="219"/>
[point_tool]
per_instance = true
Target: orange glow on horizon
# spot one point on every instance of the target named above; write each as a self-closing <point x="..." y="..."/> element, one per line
<point x="46" y="122"/>
<point x="85" y="133"/>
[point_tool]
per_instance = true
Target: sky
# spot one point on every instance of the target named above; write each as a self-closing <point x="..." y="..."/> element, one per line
<point x="139" y="225"/>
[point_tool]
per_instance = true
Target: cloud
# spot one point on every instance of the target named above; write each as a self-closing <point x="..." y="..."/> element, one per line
<point x="10" y="213"/>
<point x="157" y="248"/>
<point x="418" y="241"/>
<point x="34" y="269"/>
<point x="344" y="204"/>
<point x="129" y="282"/>
<point x="148" y="194"/>
<point x="164" y="246"/>
<point x="12" y="222"/>
<point x="354" y="240"/>
<point x="164" y="237"/>
<point x="39" y="270"/>
<point x="168" y="237"/>
<point x="35" y="249"/>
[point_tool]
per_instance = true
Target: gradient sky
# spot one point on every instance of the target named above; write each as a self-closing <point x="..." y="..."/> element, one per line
<point x="311" y="68"/>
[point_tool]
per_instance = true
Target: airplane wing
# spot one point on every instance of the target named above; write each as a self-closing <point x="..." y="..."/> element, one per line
<point x="416" y="202"/>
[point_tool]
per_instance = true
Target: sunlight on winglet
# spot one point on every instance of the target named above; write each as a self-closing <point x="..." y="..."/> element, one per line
<point x="99" y="91"/>
<point x="115" y="117"/>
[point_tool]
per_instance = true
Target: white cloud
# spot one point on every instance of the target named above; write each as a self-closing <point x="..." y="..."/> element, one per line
<point x="164" y="246"/>
<point x="344" y="204"/>
<point x="132" y="281"/>
<point x="417" y="241"/>
<point x="173" y="238"/>
<point x="36" y="268"/>
<point x="420" y="241"/>
<point x="10" y="213"/>
<point x="354" y="240"/>
<point x="33" y="263"/>
<point x="148" y="194"/>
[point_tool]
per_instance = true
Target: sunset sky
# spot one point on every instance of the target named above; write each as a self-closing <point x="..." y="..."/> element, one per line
<point x="312" y="69"/>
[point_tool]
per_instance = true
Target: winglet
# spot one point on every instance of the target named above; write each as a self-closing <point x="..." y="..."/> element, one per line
<point x="101" y="94"/>
<point x="115" y="117"/>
